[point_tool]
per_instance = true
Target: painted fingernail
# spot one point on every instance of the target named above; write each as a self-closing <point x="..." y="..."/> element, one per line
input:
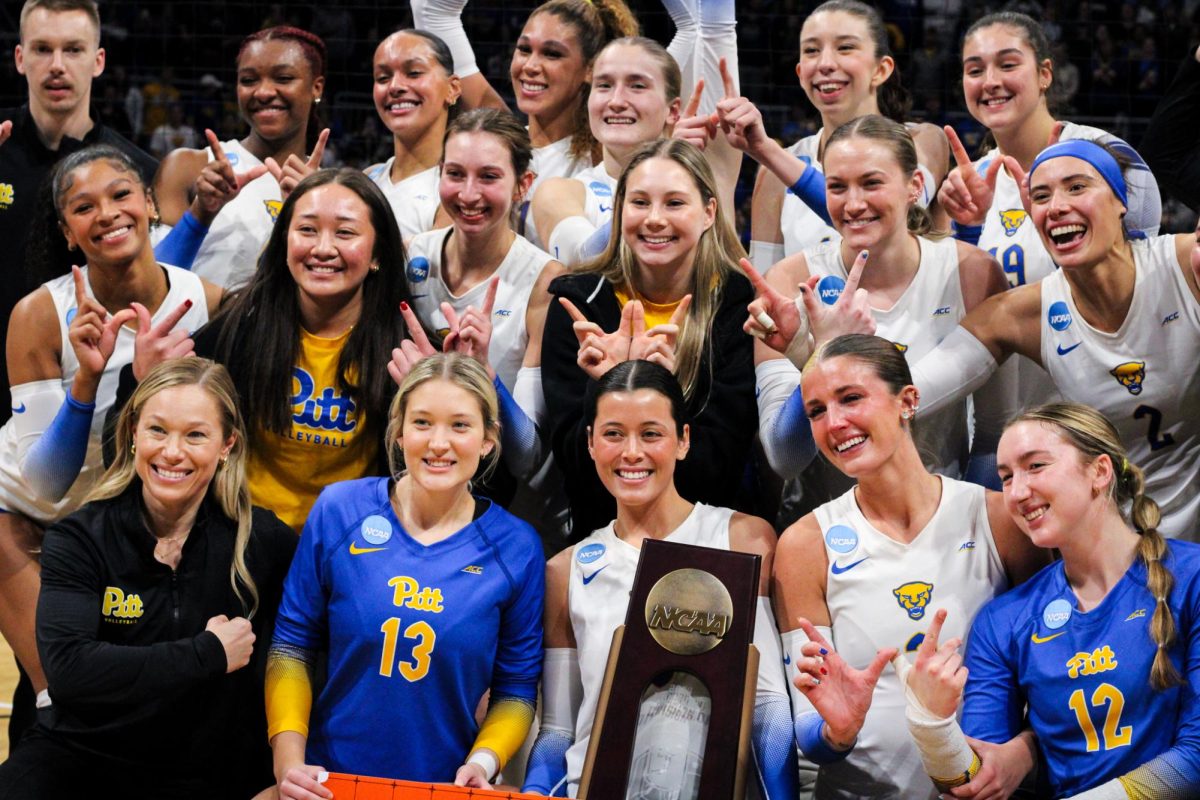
<point x="824" y="652"/>
<point x="403" y="306"/>
<point x="187" y="303"/>
<point x="824" y="671"/>
<point x="863" y="255"/>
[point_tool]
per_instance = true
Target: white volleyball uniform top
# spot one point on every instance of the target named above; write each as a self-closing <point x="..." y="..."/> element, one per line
<point x="553" y="160"/>
<point x="15" y="493"/>
<point x="883" y="593"/>
<point x="518" y="273"/>
<point x="229" y="255"/>
<point x="1143" y="377"/>
<point x="927" y="312"/>
<point x="599" y="188"/>
<point x="602" y="571"/>
<point x="1012" y="239"/>
<point x="414" y="200"/>
<point x="802" y="228"/>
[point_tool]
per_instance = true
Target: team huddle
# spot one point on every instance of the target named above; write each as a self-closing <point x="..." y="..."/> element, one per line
<point x="316" y="469"/>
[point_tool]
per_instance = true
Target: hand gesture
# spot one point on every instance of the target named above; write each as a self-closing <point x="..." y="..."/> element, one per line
<point x="965" y="194"/>
<point x="295" y="169"/>
<point x="412" y="349"/>
<point x="658" y="343"/>
<point x="302" y="782"/>
<point x="699" y="129"/>
<point x="5" y="130"/>
<point x="850" y="314"/>
<point x="599" y="351"/>
<point x="937" y="677"/>
<point x="471" y="334"/>
<point x="1003" y="767"/>
<point x="218" y="183"/>
<point x="840" y="693"/>
<point x="740" y="119"/>
<point x="93" y="333"/>
<point x="155" y="344"/>
<point x="472" y="775"/>
<point x="237" y="638"/>
<point x="774" y="317"/>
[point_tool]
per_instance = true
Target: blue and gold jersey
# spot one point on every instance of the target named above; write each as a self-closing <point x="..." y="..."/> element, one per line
<point x="415" y="634"/>
<point x="1086" y="676"/>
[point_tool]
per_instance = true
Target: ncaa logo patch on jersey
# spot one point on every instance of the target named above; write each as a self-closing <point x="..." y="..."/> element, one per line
<point x="591" y="553"/>
<point x="1059" y="316"/>
<point x="233" y="159"/>
<point x="600" y="189"/>
<point x="842" y="539"/>
<point x="418" y="269"/>
<point x="273" y="207"/>
<point x="829" y="289"/>
<point x="1012" y="220"/>
<point x="1131" y="375"/>
<point x="914" y="597"/>
<point x="1056" y="614"/>
<point x="376" y="529"/>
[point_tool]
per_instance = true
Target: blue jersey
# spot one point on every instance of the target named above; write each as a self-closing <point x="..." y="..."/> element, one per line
<point x="415" y="634"/>
<point x="1086" y="676"/>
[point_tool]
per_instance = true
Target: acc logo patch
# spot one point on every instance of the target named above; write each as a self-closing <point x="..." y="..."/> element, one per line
<point x="590" y="553"/>
<point x="273" y="207"/>
<point x="1131" y="374"/>
<point x="829" y="289"/>
<point x="914" y="597"/>
<point x="6" y="195"/>
<point x="1011" y="220"/>
<point x="842" y="539"/>
<point x="376" y="529"/>
<point x="418" y="269"/>
<point x="1059" y="316"/>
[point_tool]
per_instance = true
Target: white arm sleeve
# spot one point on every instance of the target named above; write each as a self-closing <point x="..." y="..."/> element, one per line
<point x="787" y="453"/>
<point x="959" y="365"/>
<point x="568" y="240"/>
<point x="444" y="18"/>
<point x="41" y="401"/>
<point x="792" y="641"/>
<point x="770" y="650"/>
<point x="995" y="403"/>
<point x="528" y="393"/>
<point x="562" y="689"/>
<point x="685" y="15"/>
<point x="764" y="255"/>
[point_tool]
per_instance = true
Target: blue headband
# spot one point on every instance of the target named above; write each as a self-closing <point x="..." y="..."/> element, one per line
<point x="1093" y="154"/>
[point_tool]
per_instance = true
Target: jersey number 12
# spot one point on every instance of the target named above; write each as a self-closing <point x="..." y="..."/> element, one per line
<point x="1114" y="734"/>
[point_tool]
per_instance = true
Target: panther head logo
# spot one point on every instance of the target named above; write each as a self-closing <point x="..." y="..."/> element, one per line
<point x="273" y="207"/>
<point x="1012" y="220"/>
<point x="914" y="597"/>
<point x="1131" y="375"/>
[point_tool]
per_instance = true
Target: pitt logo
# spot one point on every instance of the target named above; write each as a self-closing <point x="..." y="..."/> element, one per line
<point x="408" y="593"/>
<point x="273" y="207"/>
<point x="914" y="597"/>
<point x="120" y="608"/>
<point x="1100" y="660"/>
<point x="1012" y="220"/>
<point x="6" y="195"/>
<point x="327" y="411"/>
<point x="1131" y="375"/>
<point x="706" y="623"/>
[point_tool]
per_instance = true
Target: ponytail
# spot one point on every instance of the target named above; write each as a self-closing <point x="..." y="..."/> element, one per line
<point x="1145" y="516"/>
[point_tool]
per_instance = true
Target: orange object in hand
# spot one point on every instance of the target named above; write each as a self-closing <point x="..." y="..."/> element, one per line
<point x="360" y="787"/>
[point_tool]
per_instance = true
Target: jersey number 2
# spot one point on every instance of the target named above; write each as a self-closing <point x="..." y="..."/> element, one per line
<point x="418" y="667"/>
<point x="1114" y="734"/>
<point x="1156" y="442"/>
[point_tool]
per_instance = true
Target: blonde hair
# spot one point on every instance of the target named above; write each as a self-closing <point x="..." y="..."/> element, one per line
<point x="465" y="373"/>
<point x="228" y="487"/>
<point x="1090" y="432"/>
<point x="717" y="253"/>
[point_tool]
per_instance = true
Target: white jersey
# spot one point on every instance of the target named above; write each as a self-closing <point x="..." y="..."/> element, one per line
<point x="599" y="188"/>
<point x="15" y="493"/>
<point x="414" y="200"/>
<point x="553" y="160"/>
<point x="518" y="273"/>
<point x="602" y="572"/>
<point x="1143" y="377"/>
<point x="229" y="255"/>
<point x="927" y="312"/>
<point x="883" y="593"/>
<point x="1010" y="236"/>
<point x="802" y="228"/>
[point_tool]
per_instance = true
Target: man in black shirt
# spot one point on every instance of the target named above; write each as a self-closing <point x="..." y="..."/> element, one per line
<point x="59" y="54"/>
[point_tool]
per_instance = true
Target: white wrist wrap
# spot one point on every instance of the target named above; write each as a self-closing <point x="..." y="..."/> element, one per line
<point x="949" y="760"/>
<point x="486" y="760"/>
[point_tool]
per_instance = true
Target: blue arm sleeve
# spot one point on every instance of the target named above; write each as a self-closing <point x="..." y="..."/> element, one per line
<point x="791" y="436"/>
<point x="547" y="770"/>
<point x="968" y="233"/>
<point x="774" y="748"/>
<point x="520" y="446"/>
<point x="596" y="244"/>
<point x="993" y="706"/>
<point x="53" y="462"/>
<point x="810" y="187"/>
<point x="180" y="246"/>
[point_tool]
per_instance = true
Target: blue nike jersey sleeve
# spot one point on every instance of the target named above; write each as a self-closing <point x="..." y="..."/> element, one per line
<point x="993" y="705"/>
<point x="518" y="664"/>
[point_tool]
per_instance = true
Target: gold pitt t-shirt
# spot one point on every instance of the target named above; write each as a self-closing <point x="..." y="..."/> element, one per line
<point x="288" y="471"/>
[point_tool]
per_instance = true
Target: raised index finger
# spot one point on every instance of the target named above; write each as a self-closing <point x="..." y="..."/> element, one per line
<point x="215" y="145"/>
<point x="171" y="320"/>
<point x="489" y="299"/>
<point x="855" y="276"/>
<point x="80" y="286"/>
<point x="576" y="314"/>
<point x="956" y="146"/>
<point x="314" y="160"/>
<point x="693" y="105"/>
<point x="727" y="79"/>
<point x="930" y="643"/>
<point x="761" y="287"/>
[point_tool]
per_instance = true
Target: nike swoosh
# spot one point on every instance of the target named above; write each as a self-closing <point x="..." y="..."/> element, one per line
<point x="787" y="659"/>
<point x="355" y="550"/>
<point x="605" y="209"/>
<point x="1042" y="640"/>
<point x="588" y="578"/>
<point x="1062" y="351"/>
<point x="19" y="410"/>
<point x="836" y="570"/>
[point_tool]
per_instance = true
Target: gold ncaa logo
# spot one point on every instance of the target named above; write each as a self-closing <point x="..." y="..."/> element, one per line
<point x="688" y="611"/>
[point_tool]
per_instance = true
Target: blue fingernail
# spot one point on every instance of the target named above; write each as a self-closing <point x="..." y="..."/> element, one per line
<point x="824" y="652"/>
<point x="864" y="254"/>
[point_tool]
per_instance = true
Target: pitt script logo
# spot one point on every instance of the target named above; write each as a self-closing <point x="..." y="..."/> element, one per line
<point x="120" y="608"/>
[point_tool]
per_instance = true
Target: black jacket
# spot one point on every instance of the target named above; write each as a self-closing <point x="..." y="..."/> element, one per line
<point x="1170" y="146"/>
<point x="134" y="677"/>
<point x="722" y="412"/>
